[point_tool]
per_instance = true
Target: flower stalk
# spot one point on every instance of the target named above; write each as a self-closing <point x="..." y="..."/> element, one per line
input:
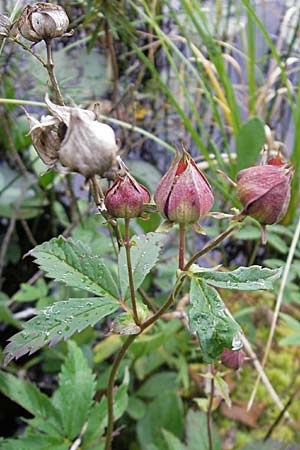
<point x="130" y="274"/>
<point x="181" y="246"/>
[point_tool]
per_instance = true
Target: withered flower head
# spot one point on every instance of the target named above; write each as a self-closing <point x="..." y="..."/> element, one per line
<point x="43" y="21"/>
<point x="74" y="138"/>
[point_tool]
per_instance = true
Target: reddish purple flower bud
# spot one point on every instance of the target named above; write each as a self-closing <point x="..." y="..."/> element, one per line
<point x="264" y="191"/>
<point x="126" y="197"/>
<point x="232" y="359"/>
<point x="184" y="194"/>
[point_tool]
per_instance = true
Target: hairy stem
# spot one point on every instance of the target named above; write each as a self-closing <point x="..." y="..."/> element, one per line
<point x="212" y="244"/>
<point x="181" y="246"/>
<point x="98" y="197"/>
<point x="110" y="389"/>
<point x="130" y="275"/>
<point x="209" y="409"/>
<point x="50" y="68"/>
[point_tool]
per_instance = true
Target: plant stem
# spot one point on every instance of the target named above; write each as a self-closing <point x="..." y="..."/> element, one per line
<point x="181" y="246"/>
<point x="98" y="197"/>
<point x="211" y="244"/>
<point x="110" y="389"/>
<point x="130" y="275"/>
<point x="50" y="68"/>
<point x="148" y="323"/>
<point x="209" y="409"/>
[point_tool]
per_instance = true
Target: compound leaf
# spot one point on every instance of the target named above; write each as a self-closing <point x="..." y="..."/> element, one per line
<point x="75" y="392"/>
<point x="58" y="321"/>
<point x="72" y="263"/>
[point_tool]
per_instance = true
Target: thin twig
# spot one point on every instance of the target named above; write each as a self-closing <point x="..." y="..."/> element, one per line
<point x="51" y="72"/>
<point x="28" y="232"/>
<point x="281" y="414"/>
<point x="277" y="306"/>
<point x="5" y="244"/>
<point x="263" y="375"/>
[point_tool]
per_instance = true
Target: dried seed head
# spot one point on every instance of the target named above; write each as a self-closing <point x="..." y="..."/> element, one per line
<point x="74" y="138"/>
<point x="184" y="194"/>
<point x="43" y="21"/>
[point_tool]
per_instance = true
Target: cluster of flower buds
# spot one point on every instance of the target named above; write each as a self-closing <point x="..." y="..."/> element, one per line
<point x="184" y="194"/>
<point x="43" y="21"/>
<point x="74" y="138"/>
<point x="265" y="190"/>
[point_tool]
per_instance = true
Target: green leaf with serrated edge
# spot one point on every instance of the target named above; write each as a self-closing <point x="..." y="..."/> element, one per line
<point x="215" y="327"/>
<point x="30" y="398"/>
<point x="249" y="142"/>
<point x="144" y="255"/>
<point x="172" y="441"/>
<point x="34" y="442"/>
<point x="58" y="321"/>
<point x="243" y="279"/>
<point x="71" y="262"/>
<point x="75" y="392"/>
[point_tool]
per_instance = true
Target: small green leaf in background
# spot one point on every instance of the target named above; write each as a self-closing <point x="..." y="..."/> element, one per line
<point x="35" y="442"/>
<point x="28" y="293"/>
<point x="243" y="279"/>
<point x="70" y="262"/>
<point x="249" y="142"/>
<point x="196" y="432"/>
<point x="215" y="327"/>
<point x="31" y="399"/>
<point x="165" y="412"/>
<point x="58" y="321"/>
<point x="157" y="383"/>
<point x="75" y="392"/>
<point x="144" y="255"/>
<point x="172" y="441"/>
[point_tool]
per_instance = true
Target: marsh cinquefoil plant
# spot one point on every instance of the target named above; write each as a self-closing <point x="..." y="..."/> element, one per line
<point x="74" y="139"/>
